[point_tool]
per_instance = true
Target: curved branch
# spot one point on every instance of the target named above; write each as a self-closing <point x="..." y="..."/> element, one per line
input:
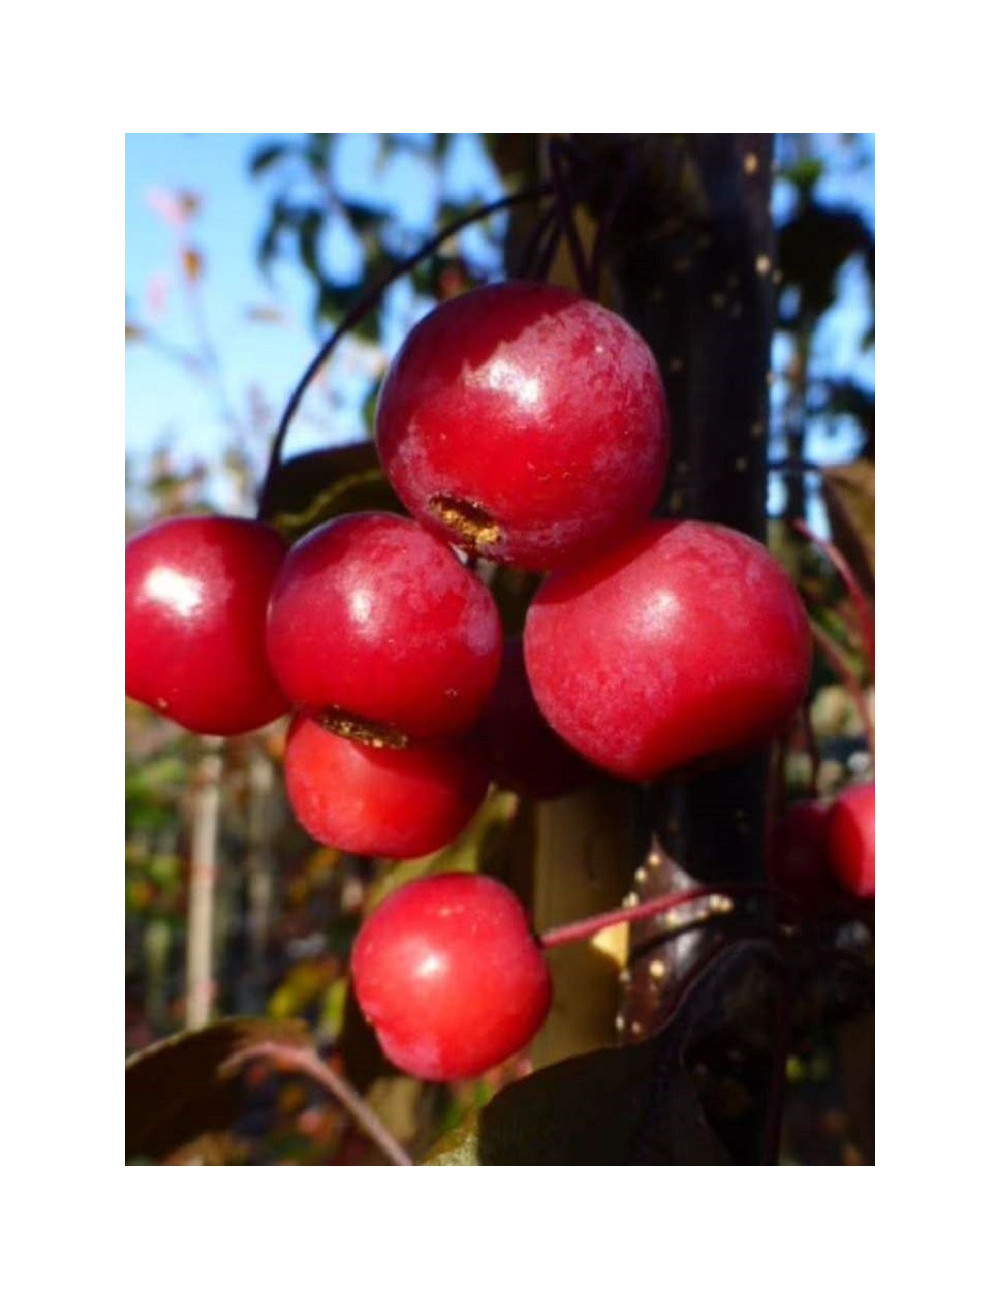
<point x="302" y="1061"/>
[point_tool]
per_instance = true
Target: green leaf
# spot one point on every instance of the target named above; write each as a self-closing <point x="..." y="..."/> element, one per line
<point x="267" y="249"/>
<point x="803" y="173"/>
<point x="320" y="485"/>
<point x="333" y="300"/>
<point x="317" y="151"/>
<point x="424" y="277"/>
<point x="369" y="328"/>
<point x="363" y="216"/>
<point x="633" y="1105"/>
<point x="180" y="1089"/>
<point x="549" y="1126"/>
<point x="310" y="222"/>
<point x="266" y="156"/>
<point x="370" y="406"/>
<point x="619" y="1106"/>
<point x="813" y="246"/>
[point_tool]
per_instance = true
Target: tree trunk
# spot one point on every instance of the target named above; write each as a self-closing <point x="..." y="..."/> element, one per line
<point x="690" y="249"/>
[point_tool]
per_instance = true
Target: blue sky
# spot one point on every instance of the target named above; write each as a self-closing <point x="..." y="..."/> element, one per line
<point x="162" y="401"/>
<point x="844" y="326"/>
<point x="166" y="403"/>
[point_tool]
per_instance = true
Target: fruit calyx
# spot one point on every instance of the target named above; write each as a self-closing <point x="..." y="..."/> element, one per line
<point x="360" y="730"/>
<point x="476" y="529"/>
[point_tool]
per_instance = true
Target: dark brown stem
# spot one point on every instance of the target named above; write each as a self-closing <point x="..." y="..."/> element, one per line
<point x="360" y="310"/>
<point x="813" y="748"/>
<point x="859" y="602"/>
<point x="303" y="1061"/>
<point x="529" y="260"/>
<point x="624" y="180"/>
<point x="547" y="251"/>
<point x="567" y="225"/>
<point x="720" y="901"/>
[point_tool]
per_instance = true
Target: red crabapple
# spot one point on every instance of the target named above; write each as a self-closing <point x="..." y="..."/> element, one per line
<point x="448" y="972"/>
<point x="524" y="422"/>
<point x="686" y="640"/>
<point x="850" y="839"/>
<point x="378" y="801"/>
<point x="196" y="593"/>
<point x="798" y="863"/>
<point x="376" y="622"/>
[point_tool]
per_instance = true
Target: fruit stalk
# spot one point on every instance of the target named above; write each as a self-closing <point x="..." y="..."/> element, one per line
<point x="719" y="902"/>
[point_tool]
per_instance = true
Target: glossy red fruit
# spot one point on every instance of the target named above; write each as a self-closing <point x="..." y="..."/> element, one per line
<point x="196" y="594"/>
<point x="798" y="864"/>
<point x="524" y="422"/>
<point x="393" y="803"/>
<point x="850" y="839"/>
<point x="448" y="973"/>
<point x="374" y="619"/>
<point x="524" y="753"/>
<point x="684" y="641"/>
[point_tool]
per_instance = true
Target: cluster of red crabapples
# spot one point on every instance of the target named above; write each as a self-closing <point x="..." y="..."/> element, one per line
<point x="522" y="424"/>
<point x="822" y="856"/>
